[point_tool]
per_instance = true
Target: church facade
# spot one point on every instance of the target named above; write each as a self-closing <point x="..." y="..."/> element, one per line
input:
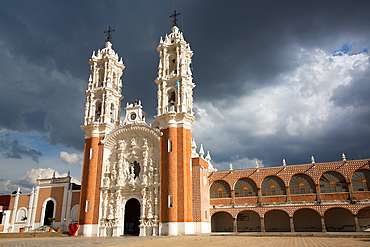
<point x="149" y="179"/>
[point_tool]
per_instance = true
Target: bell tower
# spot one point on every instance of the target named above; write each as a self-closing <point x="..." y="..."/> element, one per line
<point x="175" y="119"/>
<point x="102" y="114"/>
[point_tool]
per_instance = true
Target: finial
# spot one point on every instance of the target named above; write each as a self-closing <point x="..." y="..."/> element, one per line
<point x="208" y="157"/>
<point x="109" y="34"/>
<point x="174" y="16"/>
<point x="312" y="159"/>
<point x="69" y="173"/>
<point x="201" y="151"/>
<point x="19" y="190"/>
<point x="54" y="174"/>
<point x="161" y="40"/>
<point x="284" y="163"/>
<point x="257" y="164"/>
<point x="40" y="175"/>
<point x="231" y="167"/>
<point x="344" y="157"/>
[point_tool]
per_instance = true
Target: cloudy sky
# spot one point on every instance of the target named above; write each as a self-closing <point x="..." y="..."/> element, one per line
<point x="274" y="79"/>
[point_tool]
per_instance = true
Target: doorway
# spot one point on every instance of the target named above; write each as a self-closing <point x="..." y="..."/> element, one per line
<point x="132" y="217"/>
<point x="49" y="212"/>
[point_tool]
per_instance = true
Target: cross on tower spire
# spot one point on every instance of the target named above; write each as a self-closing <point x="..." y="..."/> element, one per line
<point x="174" y="16"/>
<point x="109" y="34"/>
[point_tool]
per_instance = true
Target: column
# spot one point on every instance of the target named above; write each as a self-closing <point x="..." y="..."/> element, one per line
<point x="318" y="193"/>
<point x="259" y="196"/>
<point x="351" y="198"/>
<point x="232" y="197"/>
<point x="287" y="194"/>
<point x="29" y="212"/>
<point x="262" y="224"/>
<point x="291" y="224"/>
<point x="358" y="229"/>
<point x="14" y="211"/>
<point x="235" y="224"/>
<point x="323" y="224"/>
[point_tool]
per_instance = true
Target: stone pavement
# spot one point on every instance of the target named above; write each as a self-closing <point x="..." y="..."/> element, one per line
<point x="194" y="240"/>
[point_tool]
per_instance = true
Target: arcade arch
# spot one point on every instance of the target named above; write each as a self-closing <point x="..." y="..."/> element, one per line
<point x="307" y="220"/>
<point x="332" y="182"/>
<point x="339" y="220"/>
<point x="277" y="221"/>
<point x="248" y="221"/>
<point x="221" y="222"/>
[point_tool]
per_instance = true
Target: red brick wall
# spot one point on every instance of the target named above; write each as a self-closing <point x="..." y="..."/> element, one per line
<point x="55" y="192"/>
<point x="200" y="191"/>
<point x="303" y="198"/>
<point x="91" y="181"/>
<point x="75" y="198"/>
<point x="175" y="176"/>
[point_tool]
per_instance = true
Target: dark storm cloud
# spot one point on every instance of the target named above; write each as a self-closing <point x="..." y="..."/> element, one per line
<point x="12" y="149"/>
<point x="240" y="48"/>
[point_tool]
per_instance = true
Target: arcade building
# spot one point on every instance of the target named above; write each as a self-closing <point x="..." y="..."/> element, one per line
<point x="149" y="179"/>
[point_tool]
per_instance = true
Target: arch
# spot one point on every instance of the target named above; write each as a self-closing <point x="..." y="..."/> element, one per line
<point x="132" y="217"/>
<point x="332" y="182"/>
<point x="49" y="212"/>
<point x="220" y="189"/>
<point x="363" y="216"/>
<point x="22" y="212"/>
<point x="248" y="221"/>
<point x="245" y="187"/>
<point x="339" y="220"/>
<point x="361" y="180"/>
<point x="74" y="213"/>
<point x="101" y="77"/>
<point x="273" y="185"/>
<point x="221" y="222"/>
<point x="98" y="110"/>
<point x="307" y="220"/>
<point x="277" y="221"/>
<point x="301" y="184"/>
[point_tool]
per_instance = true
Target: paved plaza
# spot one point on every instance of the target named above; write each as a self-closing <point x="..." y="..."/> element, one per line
<point x="198" y="240"/>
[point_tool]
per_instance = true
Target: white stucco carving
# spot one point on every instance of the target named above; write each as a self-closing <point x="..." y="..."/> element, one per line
<point x="130" y="170"/>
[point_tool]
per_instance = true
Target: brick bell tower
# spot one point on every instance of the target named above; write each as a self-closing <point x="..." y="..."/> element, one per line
<point x="102" y="114"/>
<point x="175" y="119"/>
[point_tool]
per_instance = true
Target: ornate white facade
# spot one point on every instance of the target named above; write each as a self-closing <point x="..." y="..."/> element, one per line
<point x="130" y="170"/>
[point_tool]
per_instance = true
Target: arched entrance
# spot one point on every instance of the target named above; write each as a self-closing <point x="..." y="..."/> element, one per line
<point x="339" y="220"/>
<point x="248" y="221"/>
<point x="277" y="221"/>
<point x="364" y="219"/>
<point x="132" y="217"/>
<point x="49" y="212"/>
<point x="307" y="220"/>
<point x="221" y="222"/>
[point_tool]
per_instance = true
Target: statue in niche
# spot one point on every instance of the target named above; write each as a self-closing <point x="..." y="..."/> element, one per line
<point x="133" y="142"/>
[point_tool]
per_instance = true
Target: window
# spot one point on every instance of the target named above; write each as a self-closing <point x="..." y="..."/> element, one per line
<point x="245" y="187"/>
<point x="91" y="153"/>
<point x="170" y="201"/>
<point x="332" y="182"/>
<point x="301" y="184"/>
<point x="272" y="186"/>
<point x="360" y="180"/>
<point x="87" y="206"/>
<point x="220" y="189"/>
<point x="169" y="145"/>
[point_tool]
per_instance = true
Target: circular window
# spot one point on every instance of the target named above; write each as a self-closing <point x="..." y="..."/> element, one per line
<point x="133" y="116"/>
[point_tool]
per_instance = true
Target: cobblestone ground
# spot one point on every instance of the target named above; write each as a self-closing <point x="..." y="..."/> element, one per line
<point x="186" y="241"/>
